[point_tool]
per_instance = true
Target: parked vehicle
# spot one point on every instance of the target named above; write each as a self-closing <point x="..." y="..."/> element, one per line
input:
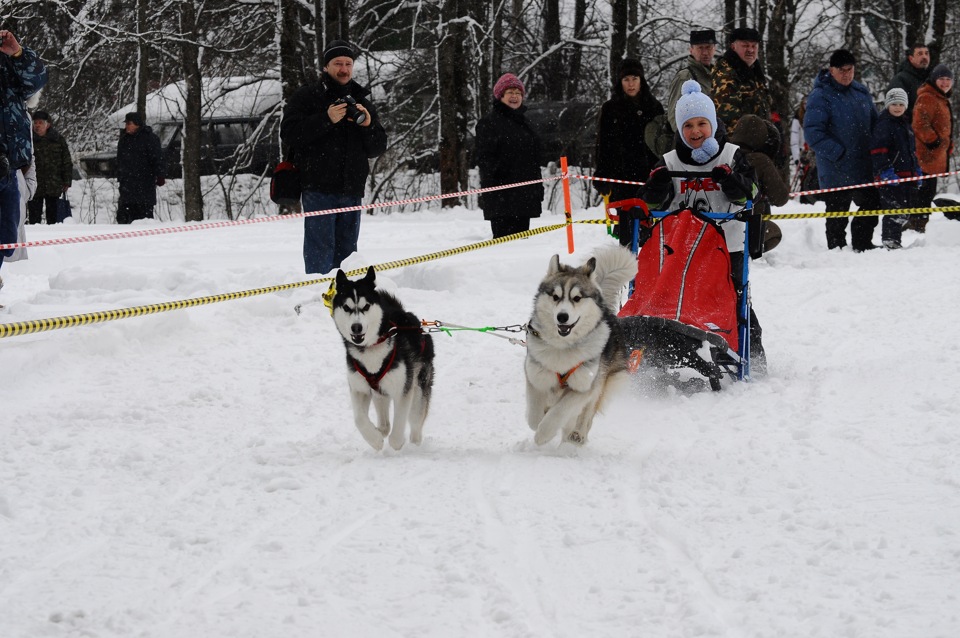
<point x="240" y="116"/>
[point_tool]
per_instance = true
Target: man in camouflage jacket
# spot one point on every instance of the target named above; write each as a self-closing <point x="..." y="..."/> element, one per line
<point x="739" y="85"/>
<point x="22" y="74"/>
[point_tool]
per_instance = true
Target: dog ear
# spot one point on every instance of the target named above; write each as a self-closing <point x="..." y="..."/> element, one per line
<point x="590" y="266"/>
<point x="371" y="275"/>
<point x="554" y="266"/>
<point x="341" y="278"/>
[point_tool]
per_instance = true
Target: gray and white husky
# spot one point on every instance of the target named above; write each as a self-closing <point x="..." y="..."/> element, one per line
<point x="389" y="359"/>
<point x="575" y="348"/>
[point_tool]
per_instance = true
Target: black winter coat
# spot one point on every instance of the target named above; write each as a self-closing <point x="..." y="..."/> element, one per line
<point x="139" y="166"/>
<point x="332" y="158"/>
<point x="621" y="152"/>
<point x="508" y="151"/>
<point x="54" y="166"/>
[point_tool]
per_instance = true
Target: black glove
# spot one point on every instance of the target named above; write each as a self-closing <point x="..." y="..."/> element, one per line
<point x="721" y="173"/>
<point x="657" y="188"/>
<point x="659" y="177"/>
<point x="4" y="166"/>
<point x="932" y="145"/>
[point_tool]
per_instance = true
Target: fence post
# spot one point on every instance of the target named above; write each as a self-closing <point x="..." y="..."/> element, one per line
<point x="566" y="202"/>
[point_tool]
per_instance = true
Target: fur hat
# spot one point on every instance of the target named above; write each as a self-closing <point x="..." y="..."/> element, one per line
<point x="841" y="58"/>
<point x="630" y="66"/>
<point x="338" y="48"/>
<point x="42" y="115"/>
<point x="940" y="71"/>
<point x="134" y="117"/>
<point x="507" y="81"/>
<point x="705" y="36"/>
<point x="895" y="96"/>
<point x="746" y="34"/>
<point x="694" y="103"/>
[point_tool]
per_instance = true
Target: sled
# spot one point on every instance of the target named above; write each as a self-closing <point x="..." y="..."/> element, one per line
<point x="683" y="311"/>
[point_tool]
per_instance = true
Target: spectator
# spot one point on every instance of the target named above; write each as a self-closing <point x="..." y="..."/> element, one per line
<point x="739" y="85"/>
<point x="139" y="170"/>
<point x="912" y="74"/>
<point x="760" y="142"/>
<point x="332" y="130"/>
<point x="933" y="128"/>
<point x="798" y="143"/>
<point x="508" y="151"/>
<point x="22" y="74"/>
<point x="838" y="124"/>
<point x="894" y="156"/>
<point x="703" y="47"/>
<point x="53" y="166"/>
<point x="621" y="152"/>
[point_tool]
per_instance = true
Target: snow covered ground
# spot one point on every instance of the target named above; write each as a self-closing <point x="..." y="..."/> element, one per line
<point x="196" y="473"/>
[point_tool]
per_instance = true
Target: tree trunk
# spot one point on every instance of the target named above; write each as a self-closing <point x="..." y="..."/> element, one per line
<point x="143" y="58"/>
<point x="576" y="54"/>
<point x="450" y="35"/>
<point x="939" y="12"/>
<point x="552" y="68"/>
<point x="633" y="30"/>
<point x="618" y="34"/>
<point x="190" y="158"/>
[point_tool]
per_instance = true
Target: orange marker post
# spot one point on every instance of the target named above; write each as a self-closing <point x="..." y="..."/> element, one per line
<point x="566" y="203"/>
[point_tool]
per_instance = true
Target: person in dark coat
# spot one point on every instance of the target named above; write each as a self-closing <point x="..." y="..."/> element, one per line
<point x="838" y="124"/>
<point x="54" y="169"/>
<point x="508" y="151"/>
<point x="22" y="74"/>
<point x="894" y="156"/>
<point x="139" y="169"/>
<point x="621" y="152"/>
<point x="331" y="142"/>
<point x="912" y="74"/>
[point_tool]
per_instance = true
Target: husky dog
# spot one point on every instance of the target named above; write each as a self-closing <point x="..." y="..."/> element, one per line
<point x="389" y="360"/>
<point x="574" y="344"/>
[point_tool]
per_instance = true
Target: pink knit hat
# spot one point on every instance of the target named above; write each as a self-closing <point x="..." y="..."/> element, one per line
<point x="507" y="81"/>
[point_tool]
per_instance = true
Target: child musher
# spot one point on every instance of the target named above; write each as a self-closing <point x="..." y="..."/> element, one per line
<point x="893" y="152"/>
<point x="702" y="148"/>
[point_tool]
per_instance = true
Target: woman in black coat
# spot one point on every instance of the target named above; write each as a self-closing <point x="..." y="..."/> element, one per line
<point x="621" y="152"/>
<point x="508" y="151"/>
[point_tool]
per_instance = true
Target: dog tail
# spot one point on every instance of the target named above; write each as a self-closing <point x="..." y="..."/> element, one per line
<point x="616" y="266"/>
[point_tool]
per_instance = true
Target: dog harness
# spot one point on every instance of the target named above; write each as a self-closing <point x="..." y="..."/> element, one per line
<point x="373" y="380"/>
<point x="562" y="378"/>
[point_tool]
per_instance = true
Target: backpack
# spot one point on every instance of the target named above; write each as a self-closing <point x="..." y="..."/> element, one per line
<point x="285" y="188"/>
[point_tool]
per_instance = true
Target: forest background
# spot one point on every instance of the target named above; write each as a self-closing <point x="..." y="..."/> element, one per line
<point x="431" y="63"/>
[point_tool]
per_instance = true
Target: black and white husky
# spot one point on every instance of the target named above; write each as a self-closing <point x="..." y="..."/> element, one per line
<point x="389" y="359"/>
<point x="574" y="344"/>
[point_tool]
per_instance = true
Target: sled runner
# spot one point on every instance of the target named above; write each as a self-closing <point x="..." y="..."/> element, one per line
<point x="683" y="308"/>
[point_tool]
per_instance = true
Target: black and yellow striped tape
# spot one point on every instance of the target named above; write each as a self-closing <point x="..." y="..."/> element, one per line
<point x="55" y="323"/>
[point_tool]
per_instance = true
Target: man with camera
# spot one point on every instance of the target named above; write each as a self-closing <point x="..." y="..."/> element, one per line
<point x="332" y="130"/>
<point x="22" y="74"/>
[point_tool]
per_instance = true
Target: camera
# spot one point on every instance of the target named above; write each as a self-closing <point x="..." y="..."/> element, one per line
<point x="353" y="112"/>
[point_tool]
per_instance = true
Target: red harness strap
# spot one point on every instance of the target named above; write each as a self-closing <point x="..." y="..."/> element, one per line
<point x="562" y="378"/>
<point x="373" y="380"/>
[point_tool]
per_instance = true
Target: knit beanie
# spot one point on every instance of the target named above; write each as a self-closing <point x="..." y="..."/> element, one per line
<point x="41" y="115"/>
<point x="940" y="71"/>
<point x="841" y="58"/>
<point x="630" y="66"/>
<point x="895" y="96"/>
<point x="507" y="81"/>
<point x="694" y="103"/>
<point x="134" y="117"/>
<point x="336" y="49"/>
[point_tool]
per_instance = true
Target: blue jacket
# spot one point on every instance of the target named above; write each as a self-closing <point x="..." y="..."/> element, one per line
<point x="893" y="146"/>
<point x="838" y="126"/>
<point x="20" y="78"/>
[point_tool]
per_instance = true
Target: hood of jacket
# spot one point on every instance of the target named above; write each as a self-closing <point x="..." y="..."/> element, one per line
<point x="825" y="81"/>
<point x="751" y="133"/>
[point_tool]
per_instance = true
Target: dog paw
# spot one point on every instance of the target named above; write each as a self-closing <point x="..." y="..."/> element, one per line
<point x="396" y="442"/>
<point x="373" y="437"/>
<point x="384" y="429"/>
<point x="574" y="437"/>
<point x="416" y="438"/>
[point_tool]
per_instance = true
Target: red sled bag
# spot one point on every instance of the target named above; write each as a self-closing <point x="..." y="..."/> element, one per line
<point x="285" y="186"/>
<point x="683" y="277"/>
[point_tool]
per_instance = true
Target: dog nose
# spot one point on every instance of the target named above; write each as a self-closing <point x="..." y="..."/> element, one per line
<point x="356" y="329"/>
<point x="562" y="317"/>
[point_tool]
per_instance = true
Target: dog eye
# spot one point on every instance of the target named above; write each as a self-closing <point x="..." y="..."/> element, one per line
<point x="365" y="308"/>
<point x="556" y="298"/>
<point x="576" y="299"/>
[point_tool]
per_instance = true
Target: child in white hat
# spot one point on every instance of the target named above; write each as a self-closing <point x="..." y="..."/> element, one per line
<point x="893" y="153"/>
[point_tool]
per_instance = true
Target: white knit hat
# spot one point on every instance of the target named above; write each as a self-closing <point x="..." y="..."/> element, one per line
<point x="895" y="96"/>
<point x="694" y="103"/>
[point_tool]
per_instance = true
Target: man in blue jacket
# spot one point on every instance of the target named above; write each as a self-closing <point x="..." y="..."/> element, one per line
<point x="332" y="130"/>
<point x="22" y="74"/>
<point x="838" y="124"/>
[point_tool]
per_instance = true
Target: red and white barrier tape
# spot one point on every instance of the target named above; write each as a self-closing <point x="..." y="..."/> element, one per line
<point x="257" y="220"/>
<point x="878" y="183"/>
